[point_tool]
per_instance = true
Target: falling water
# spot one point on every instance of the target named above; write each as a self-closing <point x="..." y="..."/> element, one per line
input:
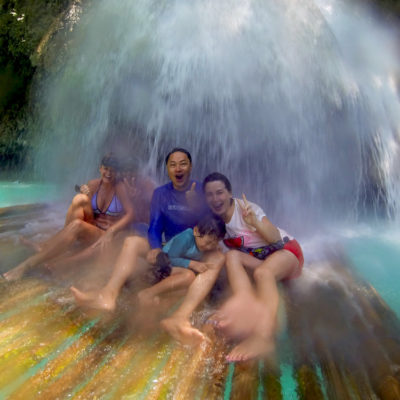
<point x="296" y="101"/>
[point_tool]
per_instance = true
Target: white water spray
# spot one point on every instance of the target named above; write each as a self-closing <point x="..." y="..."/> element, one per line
<point x="295" y="101"/>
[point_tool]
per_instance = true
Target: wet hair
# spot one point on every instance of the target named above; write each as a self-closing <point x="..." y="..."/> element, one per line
<point x="129" y="165"/>
<point x="178" y="150"/>
<point x="162" y="268"/>
<point x="216" y="176"/>
<point x="212" y="225"/>
<point x="109" y="160"/>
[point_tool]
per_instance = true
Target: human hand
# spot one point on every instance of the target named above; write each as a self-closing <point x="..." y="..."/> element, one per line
<point x="191" y="195"/>
<point x="248" y="213"/>
<point x="104" y="241"/>
<point x="198" y="266"/>
<point x="152" y="256"/>
<point x="84" y="189"/>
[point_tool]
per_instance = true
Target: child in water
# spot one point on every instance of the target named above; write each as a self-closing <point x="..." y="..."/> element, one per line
<point x="180" y="259"/>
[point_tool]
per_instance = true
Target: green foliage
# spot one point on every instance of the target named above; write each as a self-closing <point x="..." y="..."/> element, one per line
<point x="23" y="23"/>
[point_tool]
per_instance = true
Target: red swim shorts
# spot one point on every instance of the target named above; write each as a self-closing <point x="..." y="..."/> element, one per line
<point x="294" y="247"/>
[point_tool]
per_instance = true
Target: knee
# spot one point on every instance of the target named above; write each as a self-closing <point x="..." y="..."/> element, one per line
<point x="188" y="276"/>
<point x="215" y="260"/>
<point x="134" y="242"/>
<point x="80" y="200"/>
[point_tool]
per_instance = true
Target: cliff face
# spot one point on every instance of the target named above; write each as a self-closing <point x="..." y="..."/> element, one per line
<point x="26" y="28"/>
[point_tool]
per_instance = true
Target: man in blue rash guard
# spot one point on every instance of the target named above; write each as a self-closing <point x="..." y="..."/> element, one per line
<point x="175" y="207"/>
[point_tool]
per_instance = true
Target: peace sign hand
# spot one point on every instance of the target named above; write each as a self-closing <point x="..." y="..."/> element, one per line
<point x="248" y="213"/>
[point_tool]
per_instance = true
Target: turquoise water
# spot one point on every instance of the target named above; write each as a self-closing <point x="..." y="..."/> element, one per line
<point x="377" y="259"/>
<point x="18" y="193"/>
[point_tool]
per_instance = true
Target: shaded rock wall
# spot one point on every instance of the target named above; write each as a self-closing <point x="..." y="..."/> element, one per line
<point x="26" y="28"/>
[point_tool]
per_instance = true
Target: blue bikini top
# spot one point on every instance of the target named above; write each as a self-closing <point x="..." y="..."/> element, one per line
<point x="114" y="209"/>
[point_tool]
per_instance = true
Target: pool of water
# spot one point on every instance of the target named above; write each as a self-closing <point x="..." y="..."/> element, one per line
<point x="19" y="193"/>
<point x="376" y="256"/>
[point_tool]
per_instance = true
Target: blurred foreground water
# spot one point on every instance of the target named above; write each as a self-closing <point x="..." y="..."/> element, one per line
<point x="340" y="337"/>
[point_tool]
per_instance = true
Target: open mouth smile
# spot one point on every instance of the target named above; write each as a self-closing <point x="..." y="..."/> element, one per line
<point x="218" y="207"/>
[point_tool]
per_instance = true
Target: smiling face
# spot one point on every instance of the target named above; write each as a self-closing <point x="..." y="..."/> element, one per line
<point x="108" y="174"/>
<point x="206" y="242"/>
<point x="219" y="199"/>
<point x="179" y="168"/>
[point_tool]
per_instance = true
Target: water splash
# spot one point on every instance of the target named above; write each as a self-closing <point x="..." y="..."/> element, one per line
<point x="295" y="101"/>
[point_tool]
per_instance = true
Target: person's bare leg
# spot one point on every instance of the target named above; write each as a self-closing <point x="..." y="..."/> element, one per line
<point x="233" y="318"/>
<point x="180" y="278"/>
<point x="61" y="241"/>
<point x="125" y="267"/>
<point x="35" y="246"/>
<point x="74" y="259"/>
<point x="261" y="343"/>
<point x="80" y="208"/>
<point x="178" y="324"/>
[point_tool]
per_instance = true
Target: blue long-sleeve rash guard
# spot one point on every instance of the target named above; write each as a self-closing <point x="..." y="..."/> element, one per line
<point x="170" y="214"/>
<point x="182" y="248"/>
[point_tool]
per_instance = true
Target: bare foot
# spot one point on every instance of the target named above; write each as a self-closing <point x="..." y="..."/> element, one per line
<point x="146" y="299"/>
<point x="30" y="243"/>
<point x="181" y="330"/>
<point x="238" y="317"/>
<point x="94" y="299"/>
<point x="254" y="347"/>
<point x="15" y="273"/>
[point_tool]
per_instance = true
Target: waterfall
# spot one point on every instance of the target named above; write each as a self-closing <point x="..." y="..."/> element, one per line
<point x="295" y="101"/>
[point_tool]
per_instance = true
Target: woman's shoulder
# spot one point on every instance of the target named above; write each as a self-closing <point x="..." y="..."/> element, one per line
<point x="94" y="184"/>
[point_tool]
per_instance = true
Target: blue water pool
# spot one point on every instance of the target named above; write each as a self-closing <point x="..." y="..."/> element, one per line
<point x="376" y="257"/>
<point x="18" y="193"/>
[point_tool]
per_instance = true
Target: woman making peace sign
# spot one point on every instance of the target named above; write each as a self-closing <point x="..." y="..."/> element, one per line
<point x="263" y="249"/>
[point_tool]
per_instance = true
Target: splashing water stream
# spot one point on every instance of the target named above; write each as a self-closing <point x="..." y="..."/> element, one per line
<point x="296" y="101"/>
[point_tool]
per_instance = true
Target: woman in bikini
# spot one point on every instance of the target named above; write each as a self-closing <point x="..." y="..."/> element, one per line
<point x="258" y="247"/>
<point x="94" y="217"/>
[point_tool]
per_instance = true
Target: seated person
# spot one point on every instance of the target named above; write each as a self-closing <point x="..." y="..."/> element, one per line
<point x="175" y="206"/>
<point x="93" y="218"/>
<point x="140" y="189"/>
<point x="258" y="247"/>
<point x="185" y="252"/>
